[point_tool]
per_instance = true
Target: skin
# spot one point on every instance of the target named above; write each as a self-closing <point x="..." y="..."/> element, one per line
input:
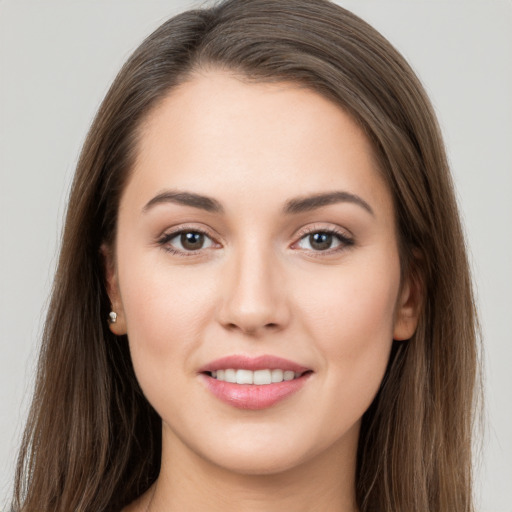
<point x="257" y="286"/>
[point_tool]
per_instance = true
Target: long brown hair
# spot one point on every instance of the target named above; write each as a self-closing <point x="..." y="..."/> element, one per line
<point x="92" y="440"/>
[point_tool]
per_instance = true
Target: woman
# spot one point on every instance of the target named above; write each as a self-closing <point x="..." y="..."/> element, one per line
<point x="263" y="299"/>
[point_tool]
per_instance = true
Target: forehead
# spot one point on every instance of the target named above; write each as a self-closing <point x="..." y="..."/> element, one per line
<point x="216" y="130"/>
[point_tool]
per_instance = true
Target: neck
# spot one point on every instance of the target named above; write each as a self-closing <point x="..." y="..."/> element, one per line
<point x="326" y="483"/>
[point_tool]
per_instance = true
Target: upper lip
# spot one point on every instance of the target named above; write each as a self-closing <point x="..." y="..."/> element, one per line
<point x="243" y="362"/>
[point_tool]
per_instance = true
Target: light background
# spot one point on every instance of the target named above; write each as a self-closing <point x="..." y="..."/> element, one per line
<point x="57" y="59"/>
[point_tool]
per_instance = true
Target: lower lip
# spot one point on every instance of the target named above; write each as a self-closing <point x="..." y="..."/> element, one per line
<point x="254" y="397"/>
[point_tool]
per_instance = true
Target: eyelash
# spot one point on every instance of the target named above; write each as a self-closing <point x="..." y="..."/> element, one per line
<point x="164" y="240"/>
<point x="345" y="241"/>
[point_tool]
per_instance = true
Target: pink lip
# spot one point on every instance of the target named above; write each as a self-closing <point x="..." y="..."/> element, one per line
<point x="253" y="363"/>
<point x="249" y="396"/>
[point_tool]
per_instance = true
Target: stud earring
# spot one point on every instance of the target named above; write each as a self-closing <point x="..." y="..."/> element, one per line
<point x="112" y="316"/>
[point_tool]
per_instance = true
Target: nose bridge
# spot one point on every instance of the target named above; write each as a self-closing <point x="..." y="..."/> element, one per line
<point x="254" y="296"/>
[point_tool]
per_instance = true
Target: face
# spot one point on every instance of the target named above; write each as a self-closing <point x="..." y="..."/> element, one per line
<point x="256" y="242"/>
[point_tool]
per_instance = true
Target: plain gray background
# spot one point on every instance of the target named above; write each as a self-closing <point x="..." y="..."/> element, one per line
<point x="57" y="59"/>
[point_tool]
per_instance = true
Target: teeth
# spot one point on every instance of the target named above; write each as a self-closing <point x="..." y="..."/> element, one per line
<point x="277" y="375"/>
<point x="244" y="376"/>
<point x="262" y="377"/>
<point x="258" y="377"/>
<point x="230" y="376"/>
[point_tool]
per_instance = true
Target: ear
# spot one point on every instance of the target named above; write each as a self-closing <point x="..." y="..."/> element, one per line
<point x="408" y="307"/>
<point x="112" y="284"/>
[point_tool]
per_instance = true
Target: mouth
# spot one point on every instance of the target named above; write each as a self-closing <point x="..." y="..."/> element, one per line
<point x="254" y="383"/>
<point x="258" y="377"/>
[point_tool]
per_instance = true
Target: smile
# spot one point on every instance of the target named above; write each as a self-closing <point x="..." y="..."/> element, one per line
<point x="254" y="383"/>
<point x="258" y="377"/>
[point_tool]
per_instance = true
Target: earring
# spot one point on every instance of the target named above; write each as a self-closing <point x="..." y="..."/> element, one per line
<point x="112" y="316"/>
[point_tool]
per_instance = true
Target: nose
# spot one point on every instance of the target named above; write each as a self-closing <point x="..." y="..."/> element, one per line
<point x="254" y="298"/>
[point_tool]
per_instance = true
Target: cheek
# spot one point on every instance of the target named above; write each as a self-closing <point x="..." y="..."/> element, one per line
<point x="355" y="308"/>
<point x="351" y="321"/>
<point x="165" y="308"/>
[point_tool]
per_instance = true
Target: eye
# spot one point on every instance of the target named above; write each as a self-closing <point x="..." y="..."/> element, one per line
<point x="186" y="241"/>
<point x="326" y="240"/>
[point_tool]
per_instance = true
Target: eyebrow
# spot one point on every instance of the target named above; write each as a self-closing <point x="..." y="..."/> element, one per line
<point x="185" y="198"/>
<point x="305" y="204"/>
<point x="293" y="206"/>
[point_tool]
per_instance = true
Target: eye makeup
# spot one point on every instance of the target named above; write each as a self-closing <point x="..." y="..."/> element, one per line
<point x="186" y="241"/>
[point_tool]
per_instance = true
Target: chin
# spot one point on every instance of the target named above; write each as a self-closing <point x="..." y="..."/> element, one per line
<point x="264" y="463"/>
<point x="262" y="456"/>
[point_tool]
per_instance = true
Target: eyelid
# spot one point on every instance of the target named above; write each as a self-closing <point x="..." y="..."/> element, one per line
<point x="167" y="235"/>
<point x="346" y="238"/>
<point x="324" y="228"/>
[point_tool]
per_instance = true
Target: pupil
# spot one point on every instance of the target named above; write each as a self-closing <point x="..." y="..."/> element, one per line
<point x="320" y="241"/>
<point x="192" y="240"/>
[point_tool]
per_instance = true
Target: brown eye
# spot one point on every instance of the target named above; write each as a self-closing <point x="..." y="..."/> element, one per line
<point x="186" y="241"/>
<point x="320" y="241"/>
<point x="191" y="240"/>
